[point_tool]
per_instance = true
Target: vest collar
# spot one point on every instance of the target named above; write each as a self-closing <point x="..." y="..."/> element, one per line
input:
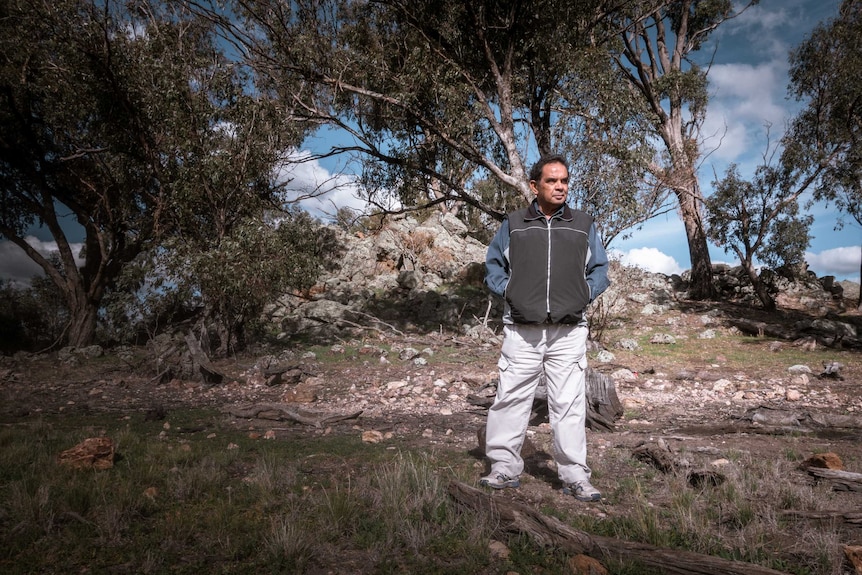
<point x="534" y="213"/>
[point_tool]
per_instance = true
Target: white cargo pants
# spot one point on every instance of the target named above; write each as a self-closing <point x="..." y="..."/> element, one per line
<point x="528" y="349"/>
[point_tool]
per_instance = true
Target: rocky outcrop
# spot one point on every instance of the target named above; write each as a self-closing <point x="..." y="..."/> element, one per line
<point x="409" y="274"/>
<point x="428" y="275"/>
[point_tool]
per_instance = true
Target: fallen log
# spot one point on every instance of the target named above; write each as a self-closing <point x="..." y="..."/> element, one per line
<point x="848" y="517"/>
<point x="841" y="480"/>
<point x="799" y="421"/>
<point x="284" y="412"/>
<point x="762" y="328"/>
<point x="551" y="532"/>
<point x="659" y="455"/>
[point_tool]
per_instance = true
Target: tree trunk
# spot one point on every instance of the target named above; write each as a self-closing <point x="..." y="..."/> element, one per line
<point x="698" y="251"/>
<point x="82" y="323"/>
<point x="766" y="300"/>
<point x="859" y="299"/>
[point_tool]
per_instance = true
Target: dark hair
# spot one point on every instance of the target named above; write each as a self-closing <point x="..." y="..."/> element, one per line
<point x="536" y="170"/>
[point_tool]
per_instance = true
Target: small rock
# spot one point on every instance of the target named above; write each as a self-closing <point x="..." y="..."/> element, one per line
<point x="93" y="452"/>
<point x="723" y="386"/>
<point x="605" y="356"/>
<point x="624" y="375"/>
<point x="627" y="344"/>
<point x="827" y="460"/>
<point x="854" y="556"/>
<point x="800" y="380"/>
<point x="586" y="565"/>
<point x="792" y="395"/>
<point x="498" y="550"/>
<point x="408" y="353"/>
<point x="372" y="436"/>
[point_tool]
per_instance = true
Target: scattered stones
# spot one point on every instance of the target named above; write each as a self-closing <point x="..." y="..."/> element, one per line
<point x="723" y="386"/>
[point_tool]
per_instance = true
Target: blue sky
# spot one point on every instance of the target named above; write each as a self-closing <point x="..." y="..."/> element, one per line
<point x="748" y="90"/>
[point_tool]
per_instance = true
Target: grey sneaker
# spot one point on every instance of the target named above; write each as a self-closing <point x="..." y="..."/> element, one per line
<point x="499" y="480"/>
<point x="582" y="490"/>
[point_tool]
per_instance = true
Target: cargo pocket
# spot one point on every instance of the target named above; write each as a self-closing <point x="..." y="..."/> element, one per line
<point x="582" y="363"/>
<point x="503" y="363"/>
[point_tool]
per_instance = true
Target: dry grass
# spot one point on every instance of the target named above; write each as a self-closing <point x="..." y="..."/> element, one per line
<point x="187" y="503"/>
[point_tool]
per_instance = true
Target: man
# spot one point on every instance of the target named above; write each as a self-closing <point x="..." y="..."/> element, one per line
<point x="548" y="264"/>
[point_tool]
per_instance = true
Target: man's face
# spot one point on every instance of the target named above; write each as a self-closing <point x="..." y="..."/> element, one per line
<point x="552" y="189"/>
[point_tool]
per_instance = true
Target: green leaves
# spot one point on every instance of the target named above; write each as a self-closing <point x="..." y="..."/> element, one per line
<point x="824" y="140"/>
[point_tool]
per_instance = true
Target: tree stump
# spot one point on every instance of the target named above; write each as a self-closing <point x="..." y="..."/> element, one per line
<point x="603" y="404"/>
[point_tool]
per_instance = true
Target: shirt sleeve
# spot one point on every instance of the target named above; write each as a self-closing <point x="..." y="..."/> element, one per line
<point x="597" y="266"/>
<point x="497" y="261"/>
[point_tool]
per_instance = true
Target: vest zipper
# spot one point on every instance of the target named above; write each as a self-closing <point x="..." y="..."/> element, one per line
<point x="548" y="273"/>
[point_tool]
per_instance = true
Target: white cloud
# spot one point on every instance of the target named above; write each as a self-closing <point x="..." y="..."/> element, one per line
<point x="649" y="259"/>
<point x="842" y="262"/>
<point x="744" y="99"/>
<point x="18" y="268"/>
<point x="320" y="192"/>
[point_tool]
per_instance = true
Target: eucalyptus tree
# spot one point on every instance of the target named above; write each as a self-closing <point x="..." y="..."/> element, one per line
<point x="759" y="221"/>
<point x="447" y="102"/>
<point x="825" y="139"/>
<point x="126" y="123"/>
<point x="659" y="40"/>
<point x="75" y="145"/>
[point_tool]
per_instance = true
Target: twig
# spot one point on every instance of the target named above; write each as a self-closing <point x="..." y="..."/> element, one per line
<point x="377" y="320"/>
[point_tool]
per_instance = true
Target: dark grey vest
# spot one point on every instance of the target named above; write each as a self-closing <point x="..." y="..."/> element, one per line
<point x="547" y="263"/>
